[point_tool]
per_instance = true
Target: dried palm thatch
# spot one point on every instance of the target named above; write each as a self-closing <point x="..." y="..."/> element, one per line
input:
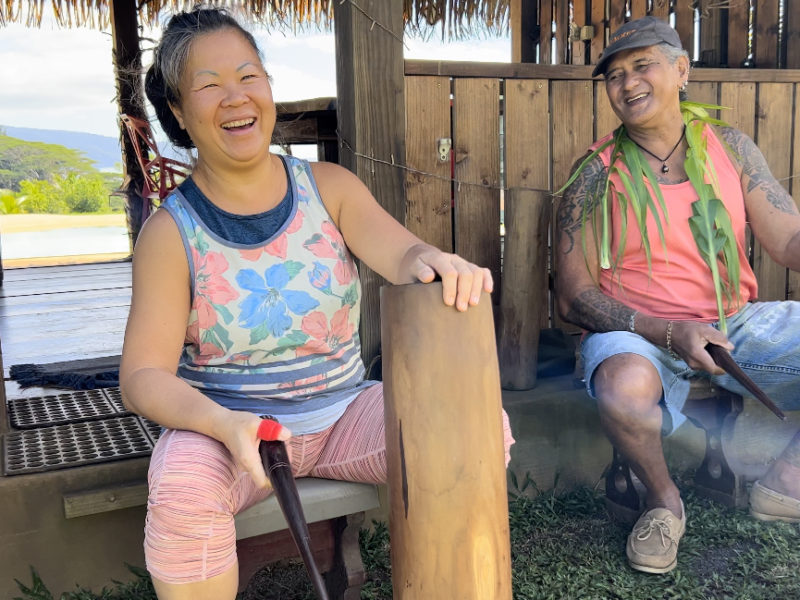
<point x="455" y="18"/>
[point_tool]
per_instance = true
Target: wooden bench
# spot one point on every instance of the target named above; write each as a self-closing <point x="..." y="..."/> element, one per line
<point x="334" y="510"/>
<point x="708" y="407"/>
<point x="335" y="513"/>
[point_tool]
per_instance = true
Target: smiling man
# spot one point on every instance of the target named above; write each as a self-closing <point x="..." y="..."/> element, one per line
<point x="653" y="265"/>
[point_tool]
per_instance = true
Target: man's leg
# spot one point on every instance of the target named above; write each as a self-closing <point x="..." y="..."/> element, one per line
<point x="776" y="496"/>
<point x="628" y="390"/>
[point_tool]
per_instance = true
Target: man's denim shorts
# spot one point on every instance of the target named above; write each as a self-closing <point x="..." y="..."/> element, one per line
<point x="766" y="336"/>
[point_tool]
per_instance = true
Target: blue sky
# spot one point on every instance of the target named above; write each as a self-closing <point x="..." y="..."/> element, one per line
<point x="52" y="78"/>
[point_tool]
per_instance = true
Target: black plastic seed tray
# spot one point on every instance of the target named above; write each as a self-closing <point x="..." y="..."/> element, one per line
<point x="74" y="444"/>
<point x="114" y="396"/>
<point x="56" y="409"/>
<point x="152" y="429"/>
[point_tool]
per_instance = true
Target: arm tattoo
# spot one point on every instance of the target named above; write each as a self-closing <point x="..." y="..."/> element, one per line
<point x="580" y="199"/>
<point x="755" y="167"/>
<point x="594" y="311"/>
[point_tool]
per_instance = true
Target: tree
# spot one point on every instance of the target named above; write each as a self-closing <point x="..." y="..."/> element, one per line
<point x="21" y="160"/>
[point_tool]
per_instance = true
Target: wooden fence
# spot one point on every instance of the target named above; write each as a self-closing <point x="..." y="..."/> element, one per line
<point x="733" y="33"/>
<point x="521" y="126"/>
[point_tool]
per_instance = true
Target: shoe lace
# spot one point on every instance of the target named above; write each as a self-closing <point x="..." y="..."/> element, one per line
<point x="662" y="526"/>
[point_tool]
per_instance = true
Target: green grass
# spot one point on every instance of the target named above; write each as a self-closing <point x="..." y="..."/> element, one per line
<point x="565" y="547"/>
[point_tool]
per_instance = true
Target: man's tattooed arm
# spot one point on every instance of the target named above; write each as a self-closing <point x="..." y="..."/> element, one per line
<point x="579" y="199"/>
<point x="755" y="171"/>
<point x="771" y="212"/>
<point x="594" y="311"/>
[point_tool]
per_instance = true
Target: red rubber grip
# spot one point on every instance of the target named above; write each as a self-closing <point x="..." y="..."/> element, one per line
<point x="268" y="430"/>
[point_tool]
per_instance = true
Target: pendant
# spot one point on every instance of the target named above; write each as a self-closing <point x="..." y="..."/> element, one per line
<point x="664" y="168"/>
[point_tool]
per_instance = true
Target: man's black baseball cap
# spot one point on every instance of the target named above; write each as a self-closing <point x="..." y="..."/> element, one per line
<point x="647" y="31"/>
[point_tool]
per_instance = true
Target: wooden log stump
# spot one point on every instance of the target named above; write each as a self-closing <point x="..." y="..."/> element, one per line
<point x="444" y="443"/>
<point x="523" y="297"/>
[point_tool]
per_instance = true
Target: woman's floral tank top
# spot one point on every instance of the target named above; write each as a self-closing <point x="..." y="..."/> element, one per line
<point x="273" y="327"/>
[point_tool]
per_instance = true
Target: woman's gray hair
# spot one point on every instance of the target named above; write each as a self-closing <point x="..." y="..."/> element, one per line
<point x="162" y="82"/>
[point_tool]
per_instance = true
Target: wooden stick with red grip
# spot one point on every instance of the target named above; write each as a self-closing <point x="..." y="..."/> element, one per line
<point x="279" y="470"/>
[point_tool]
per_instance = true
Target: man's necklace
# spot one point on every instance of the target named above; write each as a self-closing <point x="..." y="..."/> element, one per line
<point x="664" y="167"/>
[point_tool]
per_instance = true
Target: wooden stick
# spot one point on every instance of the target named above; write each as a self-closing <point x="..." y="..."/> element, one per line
<point x="444" y="448"/>
<point x="723" y="358"/>
<point x="276" y="464"/>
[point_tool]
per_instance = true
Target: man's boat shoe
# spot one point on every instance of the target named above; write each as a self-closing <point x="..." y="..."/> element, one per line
<point x="653" y="544"/>
<point x="769" y="505"/>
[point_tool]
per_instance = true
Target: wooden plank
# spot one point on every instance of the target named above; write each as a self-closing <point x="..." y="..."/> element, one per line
<point x="704" y="91"/>
<point x="545" y="32"/>
<point x="527" y="143"/>
<point x="792" y="35"/>
<point x="106" y="499"/>
<point x="605" y="119"/>
<point x="684" y="23"/>
<point x="524" y="300"/>
<point x="536" y="71"/>
<point x="571" y="125"/>
<point x="774" y="139"/>
<point x="738" y="37"/>
<point x="638" y="9"/>
<point x="740" y="98"/>
<point x="598" y="21"/>
<point x="429" y="189"/>
<point x="476" y="139"/>
<point x="561" y="14"/>
<point x="713" y="41"/>
<point x="579" y="17"/>
<point x="371" y="122"/>
<point x="616" y="15"/>
<point x="524" y="31"/>
<point x="793" y="287"/>
<point x="765" y="34"/>
<point x="572" y="134"/>
<point x="660" y="9"/>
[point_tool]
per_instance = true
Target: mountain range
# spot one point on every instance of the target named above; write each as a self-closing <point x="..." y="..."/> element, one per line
<point x="103" y="150"/>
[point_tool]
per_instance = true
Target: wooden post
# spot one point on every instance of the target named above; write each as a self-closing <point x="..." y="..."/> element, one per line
<point x="371" y="120"/>
<point x="130" y="100"/>
<point x="524" y="31"/>
<point x="523" y="299"/>
<point x="444" y="448"/>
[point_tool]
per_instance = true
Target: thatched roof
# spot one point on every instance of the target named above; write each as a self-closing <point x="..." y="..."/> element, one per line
<point x="454" y="18"/>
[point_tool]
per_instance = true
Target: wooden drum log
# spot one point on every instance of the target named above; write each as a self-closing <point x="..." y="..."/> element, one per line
<point x="523" y="298"/>
<point x="444" y="443"/>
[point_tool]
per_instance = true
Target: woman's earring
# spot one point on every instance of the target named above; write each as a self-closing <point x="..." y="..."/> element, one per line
<point x="682" y="88"/>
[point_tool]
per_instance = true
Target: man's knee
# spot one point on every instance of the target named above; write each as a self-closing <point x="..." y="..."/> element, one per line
<point x="627" y="384"/>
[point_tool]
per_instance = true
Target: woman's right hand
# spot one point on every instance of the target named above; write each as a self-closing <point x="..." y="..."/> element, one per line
<point x="239" y="432"/>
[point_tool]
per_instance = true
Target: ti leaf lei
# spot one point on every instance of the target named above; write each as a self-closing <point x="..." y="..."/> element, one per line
<point x="710" y="222"/>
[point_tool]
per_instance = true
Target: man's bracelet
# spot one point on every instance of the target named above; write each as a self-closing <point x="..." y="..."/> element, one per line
<point x="669" y="341"/>
<point x="632" y="322"/>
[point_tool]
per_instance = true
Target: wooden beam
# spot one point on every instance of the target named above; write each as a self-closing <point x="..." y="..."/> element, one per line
<point x="568" y="72"/>
<point x="598" y="42"/>
<point x="713" y="37"/>
<point x="792" y="35"/>
<point x="127" y="57"/>
<point x="765" y="32"/>
<point x="524" y="31"/>
<point x="738" y="24"/>
<point x="371" y="119"/>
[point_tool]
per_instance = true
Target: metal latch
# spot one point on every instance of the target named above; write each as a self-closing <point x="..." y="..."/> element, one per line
<point x="580" y="34"/>
<point x="444" y="145"/>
